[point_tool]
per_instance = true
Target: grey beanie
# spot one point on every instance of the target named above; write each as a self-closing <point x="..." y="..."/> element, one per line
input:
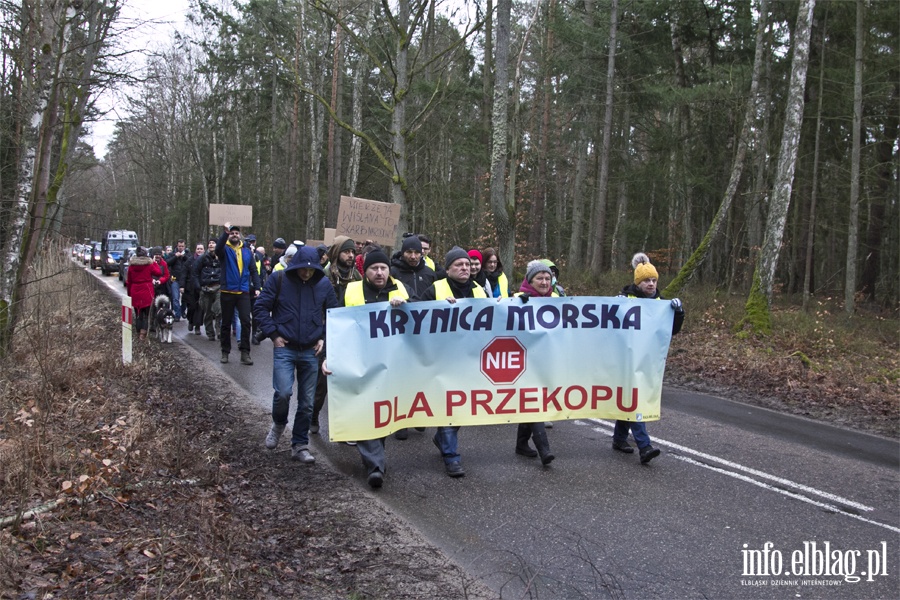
<point x="454" y="255"/>
<point x="535" y="267"/>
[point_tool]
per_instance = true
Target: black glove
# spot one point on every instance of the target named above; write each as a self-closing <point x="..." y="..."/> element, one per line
<point x="524" y="298"/>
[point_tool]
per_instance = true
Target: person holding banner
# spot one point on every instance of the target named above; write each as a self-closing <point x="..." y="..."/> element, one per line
<point x="341" y="272"/>
<point x="493" y="272"/>
<point x="457" y="285"/>
<point x="645" y="283"/>
<point x="291" y="312"/>
<point x="378" y="286"/>
<point x="537" y="284"/>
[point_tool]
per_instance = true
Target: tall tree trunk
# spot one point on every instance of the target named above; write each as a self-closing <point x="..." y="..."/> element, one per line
<point x="398" y="116"/>
<point x="853" y="224"/>
<point x="334" y="146"/>
<point x="883" y="183"/>
<point x="603" y="180"/>
<point x="737" y="168"/>
<point x="757" y="309"/>
<point x="504" y="214"/>
<point x="814" y="192"/>
<point x="359" y="76"/>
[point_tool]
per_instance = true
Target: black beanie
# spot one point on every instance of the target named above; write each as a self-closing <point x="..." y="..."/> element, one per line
<point x="412" y="243"/>
<point x="374" y="257"/>
<point x="279" y="243"/>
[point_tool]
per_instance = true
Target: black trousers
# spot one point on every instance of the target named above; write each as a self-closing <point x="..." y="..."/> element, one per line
<point x="242" y="303"/>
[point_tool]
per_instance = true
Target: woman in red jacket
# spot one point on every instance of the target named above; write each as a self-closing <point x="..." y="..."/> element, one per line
<point x="142" y="271"/>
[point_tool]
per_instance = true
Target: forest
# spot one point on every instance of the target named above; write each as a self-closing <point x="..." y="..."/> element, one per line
<point x="748" y="144"/>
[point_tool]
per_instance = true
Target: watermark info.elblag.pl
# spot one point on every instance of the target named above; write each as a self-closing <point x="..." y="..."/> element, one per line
<point x="815" y="564"/>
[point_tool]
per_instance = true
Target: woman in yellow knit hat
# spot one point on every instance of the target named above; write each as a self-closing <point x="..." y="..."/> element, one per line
<point x="646" y="279"/>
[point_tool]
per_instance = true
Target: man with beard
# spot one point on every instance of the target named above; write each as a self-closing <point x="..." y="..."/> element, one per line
<point x="377" y="286"/>
<point x="408" y="267"/>
<point x="208" y="278"/>
<point x="456" y="286"/>
<point x="341" y="272"/>
<point x="239" y="281"/>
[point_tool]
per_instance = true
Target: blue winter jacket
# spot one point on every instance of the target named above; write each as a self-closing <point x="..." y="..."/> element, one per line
<point x="292" y="308"/>
<point x="232" y="281"/>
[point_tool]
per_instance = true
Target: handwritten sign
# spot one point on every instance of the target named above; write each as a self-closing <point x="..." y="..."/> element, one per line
<point x="361" y="219"/>
<point x="236" y="214"/>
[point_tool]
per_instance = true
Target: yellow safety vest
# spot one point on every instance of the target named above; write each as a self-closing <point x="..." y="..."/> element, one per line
<point x="430" y="263"/>
<point x="503" y="282"/>
<point x="354" y="296"/>
<point x="442" y="290"/>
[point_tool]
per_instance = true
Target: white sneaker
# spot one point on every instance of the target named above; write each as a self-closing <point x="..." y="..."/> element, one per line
<point x="274" y="434"/>
<point x="302" y="454"/>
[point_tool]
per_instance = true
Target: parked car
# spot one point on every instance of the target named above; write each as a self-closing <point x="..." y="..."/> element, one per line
<point x="123" y="263"/>
<point x="95" y="257"/>
<point x="88" y="252"/>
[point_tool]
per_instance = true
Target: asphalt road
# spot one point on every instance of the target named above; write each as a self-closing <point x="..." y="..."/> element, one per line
<point x="743" y="502"/>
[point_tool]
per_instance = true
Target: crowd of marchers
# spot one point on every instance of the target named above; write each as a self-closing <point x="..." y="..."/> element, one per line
<point x="231" y="287"/>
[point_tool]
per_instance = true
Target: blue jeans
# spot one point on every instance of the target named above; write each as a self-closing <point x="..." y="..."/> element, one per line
<point x="446" y="441"/>
<point x="284" y="362"/>
<point x="638" y="430"/>
<point x="175" y="296"/>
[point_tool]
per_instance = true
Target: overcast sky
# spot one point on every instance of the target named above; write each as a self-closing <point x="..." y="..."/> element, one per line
<point x="155" y="20"/>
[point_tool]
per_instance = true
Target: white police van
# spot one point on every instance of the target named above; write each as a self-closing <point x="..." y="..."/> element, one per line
<point x="115" y="243"/>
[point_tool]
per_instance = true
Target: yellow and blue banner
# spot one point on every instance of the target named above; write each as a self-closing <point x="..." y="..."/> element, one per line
<point x="480" y="362"/>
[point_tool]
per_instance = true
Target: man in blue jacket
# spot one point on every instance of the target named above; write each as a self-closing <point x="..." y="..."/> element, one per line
<point x="291" y="312"/>
<point x="239" y="281"/>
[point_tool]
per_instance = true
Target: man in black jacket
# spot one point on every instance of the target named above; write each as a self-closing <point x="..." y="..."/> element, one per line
<point x="177" y="260"/>
<point x="207" y="277"/>
<point x="408" y="266"/>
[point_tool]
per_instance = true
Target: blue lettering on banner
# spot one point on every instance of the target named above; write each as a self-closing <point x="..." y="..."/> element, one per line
<point x="390" y="322"/>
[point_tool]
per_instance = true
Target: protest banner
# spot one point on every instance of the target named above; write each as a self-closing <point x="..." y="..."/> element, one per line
<point x="236" y="214"/>
<point x="481" y="362"/>
<point x="361" y="219"/>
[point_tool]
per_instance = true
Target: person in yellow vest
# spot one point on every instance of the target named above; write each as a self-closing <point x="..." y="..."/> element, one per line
<point x="458" y="283"/>
<point x="426" y="250"/>
<point x="537" y="284"/>
<point x="493" y="272"/>
<point x="377" y="286"/>
<point x="456" y="286"/>
<point x="285" y="259"/>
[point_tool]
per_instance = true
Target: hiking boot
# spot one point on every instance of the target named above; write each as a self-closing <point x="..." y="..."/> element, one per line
<point x="196" y="331"/>
<point x="623" y="446"/>
<point x="224" y="358"/>
<point x="245" y="357"/>
<point x="301" y="453"/>
<point x="525" y="451"/>
<point x="648" y="453"/>
<point x="454" y="469"/>
<point x="375" y="480"/>
<point x="274" y="435"/>
<point x="420" y="429"/>
<point x="401" y="434"/>
<point x="314" y="428"/>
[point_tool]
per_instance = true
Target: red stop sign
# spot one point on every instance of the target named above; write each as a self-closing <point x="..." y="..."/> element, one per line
<point x="503" y="360"/>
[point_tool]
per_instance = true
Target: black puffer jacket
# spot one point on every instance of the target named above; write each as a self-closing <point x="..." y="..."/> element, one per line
<point x="416" y="279"/>
<point x="634" y="291"/>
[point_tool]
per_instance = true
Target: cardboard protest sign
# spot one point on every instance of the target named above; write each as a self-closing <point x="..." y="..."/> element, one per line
<point x="361" y="219"/>
<point x="236" y="214"/>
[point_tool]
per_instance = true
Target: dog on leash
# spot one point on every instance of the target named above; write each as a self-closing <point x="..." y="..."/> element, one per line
<point x="164" y="318"/>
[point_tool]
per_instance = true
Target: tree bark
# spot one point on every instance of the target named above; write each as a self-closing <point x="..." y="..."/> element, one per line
<point x="603" y="179"/>
<point x="504" y="214"/>
<point x="853" y="221"/>
<point x="757" y="309"/>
